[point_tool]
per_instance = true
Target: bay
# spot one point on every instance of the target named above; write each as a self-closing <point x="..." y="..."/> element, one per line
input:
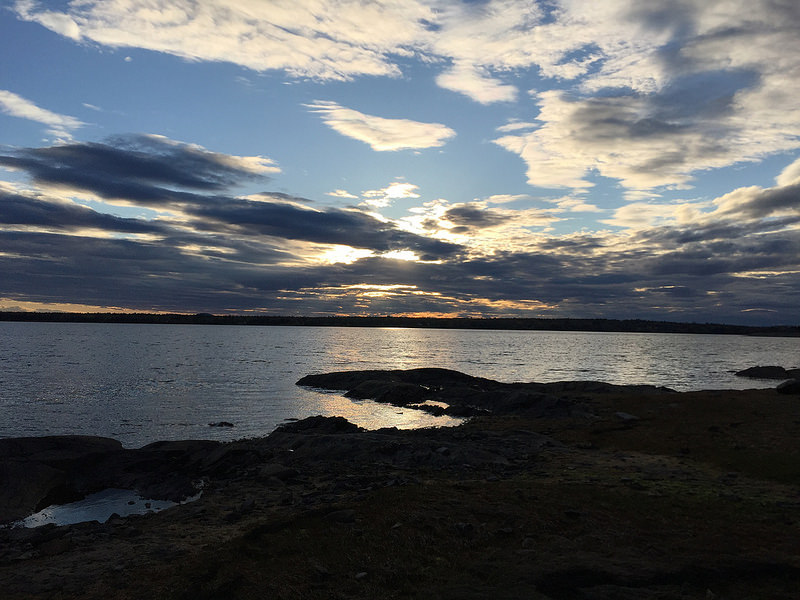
<point x="142" y="383"/>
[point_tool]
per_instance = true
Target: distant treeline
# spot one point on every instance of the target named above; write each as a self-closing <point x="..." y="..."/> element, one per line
<point x="627" y="325"/>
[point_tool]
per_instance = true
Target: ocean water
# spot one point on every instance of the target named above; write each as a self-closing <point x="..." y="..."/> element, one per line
<point x="142" y="383"/>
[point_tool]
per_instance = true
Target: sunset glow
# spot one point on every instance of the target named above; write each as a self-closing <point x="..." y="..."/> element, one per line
<point x="500" y="158"/>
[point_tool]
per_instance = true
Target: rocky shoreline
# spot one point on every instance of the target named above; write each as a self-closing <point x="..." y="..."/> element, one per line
<point x="550" y="491"/>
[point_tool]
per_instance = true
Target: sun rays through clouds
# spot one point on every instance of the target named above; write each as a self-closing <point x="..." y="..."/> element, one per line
<point x="500" y="158"/>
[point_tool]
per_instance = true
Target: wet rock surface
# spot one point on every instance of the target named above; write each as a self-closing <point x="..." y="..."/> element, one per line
<point x="600" y="491"/>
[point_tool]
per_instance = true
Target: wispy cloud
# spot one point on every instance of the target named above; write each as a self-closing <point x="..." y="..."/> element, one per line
<point x="650" y="93"/>
<point x="306" y="38"/>
<point x="380" y="133"/>
<point x="475" y="83"/>
<point x="342" y="194"/>
<point x="61" y="23"/>
<point x="790" y="175"/>
<point x="150" y="170"/>
<point x="58" y="125"/>
<point x="386" y="196"/>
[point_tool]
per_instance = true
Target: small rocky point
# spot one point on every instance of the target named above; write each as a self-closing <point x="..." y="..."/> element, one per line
<point x="790" y="378"/>
<point x="769" y="372"/>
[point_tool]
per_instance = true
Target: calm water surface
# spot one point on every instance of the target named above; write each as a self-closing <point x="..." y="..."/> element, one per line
<point x="141" y="383"/>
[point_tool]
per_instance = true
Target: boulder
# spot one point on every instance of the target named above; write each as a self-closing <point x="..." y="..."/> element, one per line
<point x="792" y="386"/>
<point x="57" y="448"/>
<point x="27" y="488"/>
<point x="38" y="471"/>
<point x="369" y="389"/>
<point x="344" y="380"/>
<point x="388" y="391"/>
<point x="401" y="394"/>
<point x="428" y="377"/>
<point x="768" y="372"/>
<point x="320" y="424"/>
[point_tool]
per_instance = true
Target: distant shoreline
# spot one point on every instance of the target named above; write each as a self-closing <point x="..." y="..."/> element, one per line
<point x="511" y="324"/>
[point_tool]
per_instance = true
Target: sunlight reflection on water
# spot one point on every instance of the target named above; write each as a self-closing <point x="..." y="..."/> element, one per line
<point x="141" y="383"/>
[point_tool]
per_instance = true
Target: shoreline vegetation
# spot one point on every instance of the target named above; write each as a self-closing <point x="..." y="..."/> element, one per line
<point x="498" y="323"/>
<point x="548" y="492"/>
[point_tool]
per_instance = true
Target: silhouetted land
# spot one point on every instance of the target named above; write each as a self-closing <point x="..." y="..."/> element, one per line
<point x="557" y="492"/>
<point x="627" y="325"/>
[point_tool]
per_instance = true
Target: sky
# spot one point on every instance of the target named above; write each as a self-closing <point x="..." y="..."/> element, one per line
<point x="497" y="158"/>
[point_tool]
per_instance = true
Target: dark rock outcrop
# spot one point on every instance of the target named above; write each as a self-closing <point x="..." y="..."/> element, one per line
<point x="37" y="472"/>
<point x="319" y="424"/>
<point x="324" y="443"/>
<point x="791" y="386"/>
<point x="40" y="471"/>
<point x="766" y="372"/>
<point x="348" y="380"/>
<point x="464" y="395"/>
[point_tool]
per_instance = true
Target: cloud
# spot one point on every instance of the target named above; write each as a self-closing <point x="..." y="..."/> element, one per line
<point x="145" y="169"/>
<point x="643" y="215"/>
<point x="757" y="203"/>
<point x="482" y="229"/>
<point x="790" y="175"/>
<point x="192" y="182"/>
<point x="342" y="194"/>
<point x="380" y="133"/>
<point x="384" y="197"/>
<point x="331" y="226"/>
<point x="468" y="217"/>
<point x="576" y="204"/>
<point x="750" y="209"/>
<point x="58" y="125"/>
<point x="485" y="41"/>
<point x="670" y="90"/>
<point x="30" y="211"/>
<point x="516" y="126"/>
<point x="631" y="139"/>
<point x="576" y="275"/>
<point x="474" y="82"/>
<point x="733" y="259"/>
<point x="61" y="23"/>
<point x="307" y="38"/>
<point x="328" y="41"/>
<point x="649" y="93"/>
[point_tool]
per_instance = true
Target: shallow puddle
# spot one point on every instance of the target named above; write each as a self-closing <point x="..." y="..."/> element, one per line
<point x="97" y="507"/>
